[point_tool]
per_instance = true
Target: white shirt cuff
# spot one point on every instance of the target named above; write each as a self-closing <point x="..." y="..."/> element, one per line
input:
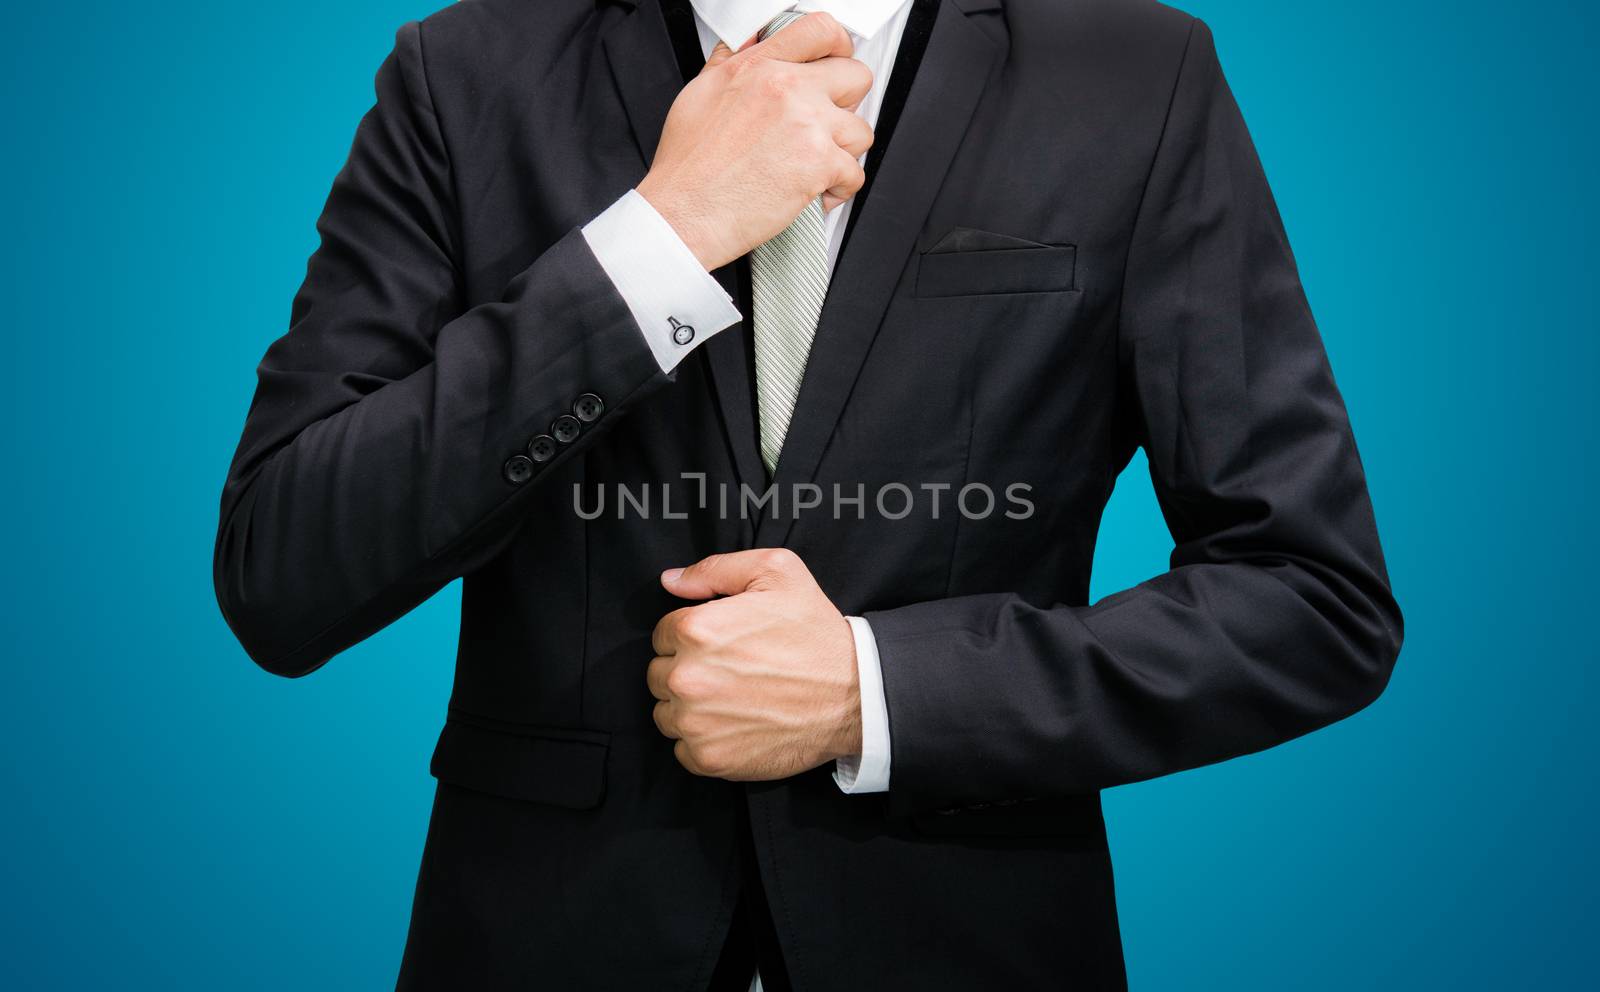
<point x="676" y="302"/>
<point x="869" y="770"/>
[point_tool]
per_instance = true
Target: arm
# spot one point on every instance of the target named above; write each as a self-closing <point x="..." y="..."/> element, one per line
<point x="1276" y="617"/>
<point x="395" y="436"/>
<point x="387" y="450"/>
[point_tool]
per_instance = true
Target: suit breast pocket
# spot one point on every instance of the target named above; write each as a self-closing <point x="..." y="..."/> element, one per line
<point x="968" y="262"/>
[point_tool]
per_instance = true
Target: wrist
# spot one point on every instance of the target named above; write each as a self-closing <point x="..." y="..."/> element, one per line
<point x="685" y="221"/>
<point x="846" y="739"/>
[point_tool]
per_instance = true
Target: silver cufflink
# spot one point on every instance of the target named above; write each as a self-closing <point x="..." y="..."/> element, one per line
<point x="681" y="333"/>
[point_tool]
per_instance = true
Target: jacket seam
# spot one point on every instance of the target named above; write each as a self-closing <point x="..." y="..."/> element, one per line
<point x="777" y="884"/>
<point x="717" y="921"/>
<point x="966" y="477"/>
<point x="1144" y="191"/>
<point x="444" y="146"/>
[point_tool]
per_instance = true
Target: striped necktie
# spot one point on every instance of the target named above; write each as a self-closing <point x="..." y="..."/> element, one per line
<point x="789" y="279"/>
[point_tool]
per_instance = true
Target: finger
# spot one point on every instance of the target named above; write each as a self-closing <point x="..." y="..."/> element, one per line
<point x="852" y="134"/>
<point x="680" y="750"/>
<point x="730" y="574"/>
<point x="720" y="54"/>
<point x="655" y="676"/>
<point x="846" y="81"/>
<point x="814" y="36"/>
<point x="666" y="718"/>
<point x="665" y="639"/>
<point x="847" y="181"/>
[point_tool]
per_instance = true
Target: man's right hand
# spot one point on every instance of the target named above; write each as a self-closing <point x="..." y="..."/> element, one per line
<point x="757" y="136"/>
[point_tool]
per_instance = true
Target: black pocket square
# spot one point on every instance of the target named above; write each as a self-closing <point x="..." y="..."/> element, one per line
<point x="971" y="262"/>
<point x="973" y="239"/>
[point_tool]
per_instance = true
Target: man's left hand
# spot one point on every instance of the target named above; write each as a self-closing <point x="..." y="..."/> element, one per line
<point x="760" y="684"/>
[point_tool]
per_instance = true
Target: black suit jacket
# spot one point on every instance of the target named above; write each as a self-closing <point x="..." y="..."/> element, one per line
<point x="1069" y="252"/>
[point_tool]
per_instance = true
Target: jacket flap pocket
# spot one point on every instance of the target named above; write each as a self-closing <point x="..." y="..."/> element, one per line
<point x="1042" y="269"/>
<point x="559" y="767"/>
<point x="1076" y="817"/>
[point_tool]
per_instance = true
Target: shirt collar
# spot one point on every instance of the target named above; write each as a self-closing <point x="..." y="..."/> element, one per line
<point x="737" y="21"/>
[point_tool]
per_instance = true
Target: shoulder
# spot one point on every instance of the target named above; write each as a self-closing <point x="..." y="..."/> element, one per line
<point x="1123" y="57"/>
<point x="483" y="20"/>
<point x="1146" y="19"/>
<point x="488" y="35"/>
<point x="1119" y="37"/>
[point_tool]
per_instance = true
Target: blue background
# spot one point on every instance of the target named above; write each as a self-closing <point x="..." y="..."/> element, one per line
<point x="176" y="819"/>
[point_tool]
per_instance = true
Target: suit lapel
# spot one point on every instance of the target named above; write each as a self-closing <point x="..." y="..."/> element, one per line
<point x="645" y="72"/>
<point x="648" y="77"/>
<point x="728" y="357"/>
<point x="954" y="71"/>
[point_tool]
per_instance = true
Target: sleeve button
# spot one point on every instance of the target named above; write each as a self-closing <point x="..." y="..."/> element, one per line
<point x="588" y="408"/>
<point x="542" y="448"/>
<point x="518" y="469"/>
<point x="565" y="428"/>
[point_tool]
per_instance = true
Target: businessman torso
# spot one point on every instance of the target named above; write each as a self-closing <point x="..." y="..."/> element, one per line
<point x="981" y="373"/>
<point x="916" y="379"/>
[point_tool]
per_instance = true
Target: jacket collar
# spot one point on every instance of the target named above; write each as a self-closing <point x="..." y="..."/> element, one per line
<point x="737" y="21"/>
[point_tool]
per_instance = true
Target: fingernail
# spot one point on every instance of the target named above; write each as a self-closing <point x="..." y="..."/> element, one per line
<point x="671" y="575"/>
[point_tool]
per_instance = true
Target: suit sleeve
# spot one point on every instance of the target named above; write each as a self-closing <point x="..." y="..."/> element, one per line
<point x="1276" y="615"/>
<point x="386" y="449"/>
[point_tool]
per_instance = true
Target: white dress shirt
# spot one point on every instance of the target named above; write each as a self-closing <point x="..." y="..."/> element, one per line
<point x="665" y="286"/>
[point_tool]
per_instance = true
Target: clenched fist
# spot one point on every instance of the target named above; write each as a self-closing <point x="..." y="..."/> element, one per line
<point x="762" y="683"/>
<point x="757" y="136"/>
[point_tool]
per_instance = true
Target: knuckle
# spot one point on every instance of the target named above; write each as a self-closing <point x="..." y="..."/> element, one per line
<point x="712" y="759"/>
<point x="690" y="682"/>
<point x="671" y="626"/>
<point x="694" y="759"/>
<point x="681" y="682"/>
<point x="685" y="629"/>
<point x="821" y="147"/>
<point x="694" y="627"/>
<point x="685" y="755"/>
<point x="777" y="560"/>
<point x="691" y="726"/>
<point x="777" y="83"/>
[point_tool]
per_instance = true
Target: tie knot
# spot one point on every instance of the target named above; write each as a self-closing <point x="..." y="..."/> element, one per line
<point x="778" y="23"/>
